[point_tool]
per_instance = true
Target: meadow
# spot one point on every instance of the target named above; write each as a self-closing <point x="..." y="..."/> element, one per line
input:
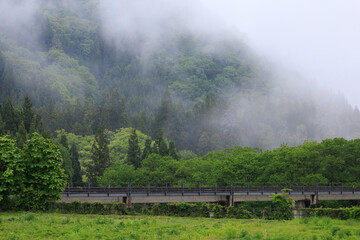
<point x="28" y="225"/>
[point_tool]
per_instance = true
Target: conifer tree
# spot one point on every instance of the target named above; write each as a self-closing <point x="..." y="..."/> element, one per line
<point x="27" y="113"/>
<point x="165" y="112"/>
<point x="63" y="140"/>
<point x="163" y="148"/>
<point x="117" y="113"/>
<point x="39" y="124"/>
<point x="74" y="156"/>
<point x="21" y="135"/>
<point x="147" y="150"/>
<point x="204" y="143"/>
<point x="9" y="117"/>
<point x="172" y="150"/>
<point x="124" y="119"/>
<point x="2" y="129"/>
<point x="134" y="151"/>
<point x="100" y="158"/>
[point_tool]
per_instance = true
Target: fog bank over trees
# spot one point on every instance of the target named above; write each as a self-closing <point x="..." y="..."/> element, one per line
<point x="185" y="67"/>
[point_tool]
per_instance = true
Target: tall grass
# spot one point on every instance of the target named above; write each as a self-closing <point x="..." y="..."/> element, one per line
<point x="25" y="225"/>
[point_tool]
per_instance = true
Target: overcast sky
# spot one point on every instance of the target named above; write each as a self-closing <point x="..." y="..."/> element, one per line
<point x="320" y="39"/>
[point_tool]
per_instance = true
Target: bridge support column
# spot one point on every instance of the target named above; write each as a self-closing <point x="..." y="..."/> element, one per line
<point x="314" y="199"/>
<point x="230" y="200"/>
<point x="127" y="201"/>
<point x="298" y="208"/>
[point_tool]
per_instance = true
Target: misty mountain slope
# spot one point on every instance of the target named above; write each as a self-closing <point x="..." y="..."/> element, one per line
<point x="71" y="45"/>
<point x="84" y="64"/>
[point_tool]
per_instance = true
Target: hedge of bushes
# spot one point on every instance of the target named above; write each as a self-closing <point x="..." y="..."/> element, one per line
<point x="170" y="209"/>
<point x="197" y="210"/>
<point x="340" y="213"/>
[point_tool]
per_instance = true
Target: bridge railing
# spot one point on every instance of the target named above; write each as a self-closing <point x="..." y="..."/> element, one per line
<point x="205" y="188"/>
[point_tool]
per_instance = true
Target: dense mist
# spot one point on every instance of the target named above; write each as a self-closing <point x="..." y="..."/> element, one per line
<point x="244" y="73"/>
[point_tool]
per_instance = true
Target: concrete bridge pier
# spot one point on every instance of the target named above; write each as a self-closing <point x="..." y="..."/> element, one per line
<point x="300" y="205"/>
<point x="230" y="200"/>
<point x="127" y="201"/>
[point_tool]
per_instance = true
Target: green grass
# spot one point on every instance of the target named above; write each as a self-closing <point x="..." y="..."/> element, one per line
<point x="24" y="225"/>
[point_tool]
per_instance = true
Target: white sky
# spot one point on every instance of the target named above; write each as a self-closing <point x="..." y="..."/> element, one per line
<point x="318" y="38"/>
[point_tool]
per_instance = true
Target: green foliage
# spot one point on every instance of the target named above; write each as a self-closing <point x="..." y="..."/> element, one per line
<point x="134" y="151"/>
<point x="27" y="113"/>
<point x="99" y="156"/>
<point x="119" y="208"/>
<point x="9" y="170"/>
<point x="235" y="212"/>
<point x="43" y="176"/>
<point x="281" y="206"/>
<point x="21" y="135"/>
<point x="41" y="225"/>
<point x="339" y="213"/>
<point x="218" y="210"/>
<point x="66" y="162"/>
<point x="118" y="173"/>
<point x="2" y="125"/>
<point x="74" y="156"/>
<point x="10" y="117"/>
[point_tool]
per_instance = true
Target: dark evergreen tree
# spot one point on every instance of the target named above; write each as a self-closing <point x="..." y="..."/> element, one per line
<point x="165" y="112"/>
<point x="74" y="156"/>
<point x="2" y="125"/>
<point x="27" y="113"/>
<point x="67" y="164"/>
<point x="204" y="143"/>
<point x="163" y="148"/>
<point x="89" y="116"/>
<point x="100" y="158"/>
<point x="216" y="143"/>
<point x="39" y="124"/>
<point x="172" y="150"/>
<point x="124" y="119"/>
<point x="10" y="117"/>
<point x="21" y="135"/>
<point x="63" y="140"/>
<point x="142" y="123"/>
<point x="147" y="150"/>
<point x="115" y="114"/>
<point x="134" y="151"/>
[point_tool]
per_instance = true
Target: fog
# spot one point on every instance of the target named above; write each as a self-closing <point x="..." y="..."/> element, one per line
<point x="319" y="39"/>
<point x="311" y="48"/>
<point x="19" y="20"/>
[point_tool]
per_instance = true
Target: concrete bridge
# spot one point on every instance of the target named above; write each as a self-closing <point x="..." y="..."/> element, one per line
<point x="304" y="194"/>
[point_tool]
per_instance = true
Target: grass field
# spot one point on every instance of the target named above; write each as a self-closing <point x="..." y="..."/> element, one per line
<point x="25" y="225"/>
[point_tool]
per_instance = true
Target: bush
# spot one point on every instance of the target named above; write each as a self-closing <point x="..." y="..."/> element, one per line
<point x="118" y="208"/>
<point x="240" y="213"/>
<point x="218" y="210"/>
<point x="282" y="207"/>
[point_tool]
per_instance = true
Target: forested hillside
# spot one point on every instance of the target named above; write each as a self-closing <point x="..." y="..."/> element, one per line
<point x="61" y="75"/>
<point x="205" y="94"/>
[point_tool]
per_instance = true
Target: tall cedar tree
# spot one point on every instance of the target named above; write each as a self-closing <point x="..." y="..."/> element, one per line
<point x="160" y="147"/>
<point x="165" y="112"/>
<point x="63" y="140"/>
<point x="147" y="149"/>
<point x="21" y="136"/>
<point x="117" y="113"/>
<point x="27" y="113"/>
<point x="9" y="117"/>
<point x="99" y="155"/>
<point x="2" y="129"/>
<point x="74" y="155"/>
<point x="172" y="150"/>
<point x="134" y="151"/>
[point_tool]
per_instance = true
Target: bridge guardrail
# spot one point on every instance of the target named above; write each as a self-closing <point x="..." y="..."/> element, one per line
<point x="205" y="188"/>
